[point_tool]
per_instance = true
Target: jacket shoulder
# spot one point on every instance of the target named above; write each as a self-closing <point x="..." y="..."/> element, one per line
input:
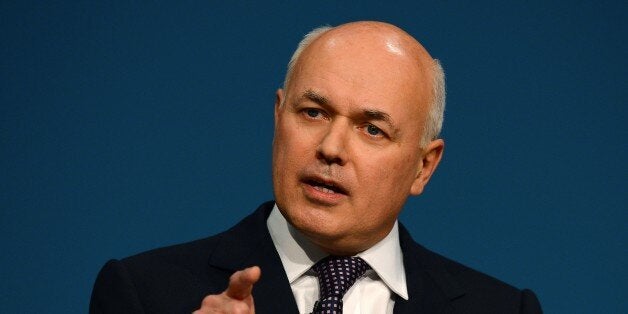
<point x="190" y="256"/>
<point x="195" y="256"/>
<point x="172" y="279"/>
<point x="465" y="289"/>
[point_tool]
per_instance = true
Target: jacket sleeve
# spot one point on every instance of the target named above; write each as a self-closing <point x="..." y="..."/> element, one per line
<point x="529" y="303"/>
<point x="114" y="291"/>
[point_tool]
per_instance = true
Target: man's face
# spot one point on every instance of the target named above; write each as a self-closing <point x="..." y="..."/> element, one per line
<point x="346" y="151"/>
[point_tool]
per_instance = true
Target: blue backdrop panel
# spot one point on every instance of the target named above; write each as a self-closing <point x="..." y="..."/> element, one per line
<point x="127" y="126"/>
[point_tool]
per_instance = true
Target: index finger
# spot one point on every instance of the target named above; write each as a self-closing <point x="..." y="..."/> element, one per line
<point x="241" y="283"/>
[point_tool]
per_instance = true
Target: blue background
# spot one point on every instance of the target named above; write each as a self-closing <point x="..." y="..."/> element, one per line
<point x="127" y="126"/>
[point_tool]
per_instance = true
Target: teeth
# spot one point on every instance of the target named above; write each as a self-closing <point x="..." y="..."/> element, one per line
<point x="324" y="189"/>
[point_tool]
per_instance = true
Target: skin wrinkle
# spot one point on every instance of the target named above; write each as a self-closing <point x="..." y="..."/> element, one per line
<point x="423" y="64"/>
<point x="365" y="114"/>
<point x="347" y="68"/>
<point x="336" y="182"/>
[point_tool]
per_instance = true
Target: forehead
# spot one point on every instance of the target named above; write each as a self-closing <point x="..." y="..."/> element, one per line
<point x="364" y="72"/>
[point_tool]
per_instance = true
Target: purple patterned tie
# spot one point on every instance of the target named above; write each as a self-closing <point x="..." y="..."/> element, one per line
<point x="336" y="275"/>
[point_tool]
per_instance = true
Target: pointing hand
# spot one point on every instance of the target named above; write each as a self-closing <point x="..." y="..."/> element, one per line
<point x="237" y="298"/>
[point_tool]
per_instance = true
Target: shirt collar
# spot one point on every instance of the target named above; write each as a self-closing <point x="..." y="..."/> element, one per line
<point x="298" y="254"/>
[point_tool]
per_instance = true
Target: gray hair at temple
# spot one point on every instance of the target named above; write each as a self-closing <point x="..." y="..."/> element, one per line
<point x="435" y="115"/>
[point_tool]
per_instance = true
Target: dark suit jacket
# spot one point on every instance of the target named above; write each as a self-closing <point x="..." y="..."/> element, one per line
<point x="176" y="279"/>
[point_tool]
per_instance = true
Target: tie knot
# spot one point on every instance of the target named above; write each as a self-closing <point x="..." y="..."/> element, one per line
<point x="337" y="274"/>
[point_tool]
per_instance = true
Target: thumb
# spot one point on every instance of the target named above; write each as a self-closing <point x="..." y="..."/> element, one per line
<point x="241" y="283"/>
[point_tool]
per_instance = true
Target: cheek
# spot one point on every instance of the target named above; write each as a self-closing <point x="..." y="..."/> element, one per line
<point x="297" y="142"/>
<point x="389" y="177"/>
<point x="290" y="150"/>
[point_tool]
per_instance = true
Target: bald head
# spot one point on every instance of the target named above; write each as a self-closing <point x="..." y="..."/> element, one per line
<point x="381" y="44"/>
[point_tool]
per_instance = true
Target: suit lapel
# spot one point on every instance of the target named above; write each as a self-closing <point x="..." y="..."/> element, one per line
<point x="248" y="243"/>
<point x="431" y="288"/>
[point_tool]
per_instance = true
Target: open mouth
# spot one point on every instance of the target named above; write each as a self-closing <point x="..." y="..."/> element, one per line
<point x="325" y="187"/>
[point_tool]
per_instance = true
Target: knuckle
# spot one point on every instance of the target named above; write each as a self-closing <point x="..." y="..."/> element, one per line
<point x="240" y="308"/>
<point x="211" y="300"/>
<point x="235" y="276"/>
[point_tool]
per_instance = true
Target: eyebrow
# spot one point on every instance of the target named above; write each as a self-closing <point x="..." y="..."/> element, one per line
<point x="377" y="115"/>
<point x="315" y="97"/>
<point x="371" y="114"/>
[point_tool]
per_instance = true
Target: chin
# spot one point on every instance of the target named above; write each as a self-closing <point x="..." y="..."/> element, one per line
<point x="324" y="230"/>
<point x="312" y="221"/>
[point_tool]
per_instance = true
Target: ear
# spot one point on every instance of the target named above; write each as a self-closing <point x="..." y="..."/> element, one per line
<point x="279" y="96"/>
<point x="432" y="154"/>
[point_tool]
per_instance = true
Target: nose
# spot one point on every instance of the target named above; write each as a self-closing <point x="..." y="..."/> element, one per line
<point x="333" y="144"/>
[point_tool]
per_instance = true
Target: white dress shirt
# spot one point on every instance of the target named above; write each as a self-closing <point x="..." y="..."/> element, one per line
<point x="372" y="293"/>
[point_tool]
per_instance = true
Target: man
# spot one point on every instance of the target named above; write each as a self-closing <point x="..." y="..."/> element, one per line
<point x="356" y="133"/>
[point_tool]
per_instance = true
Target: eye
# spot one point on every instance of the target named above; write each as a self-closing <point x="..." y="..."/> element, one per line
<point x="313" y="113"/>
<point x="374" y="131"/>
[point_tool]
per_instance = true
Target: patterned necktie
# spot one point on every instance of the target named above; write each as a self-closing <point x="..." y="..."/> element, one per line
<point x="336" y="275"/>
